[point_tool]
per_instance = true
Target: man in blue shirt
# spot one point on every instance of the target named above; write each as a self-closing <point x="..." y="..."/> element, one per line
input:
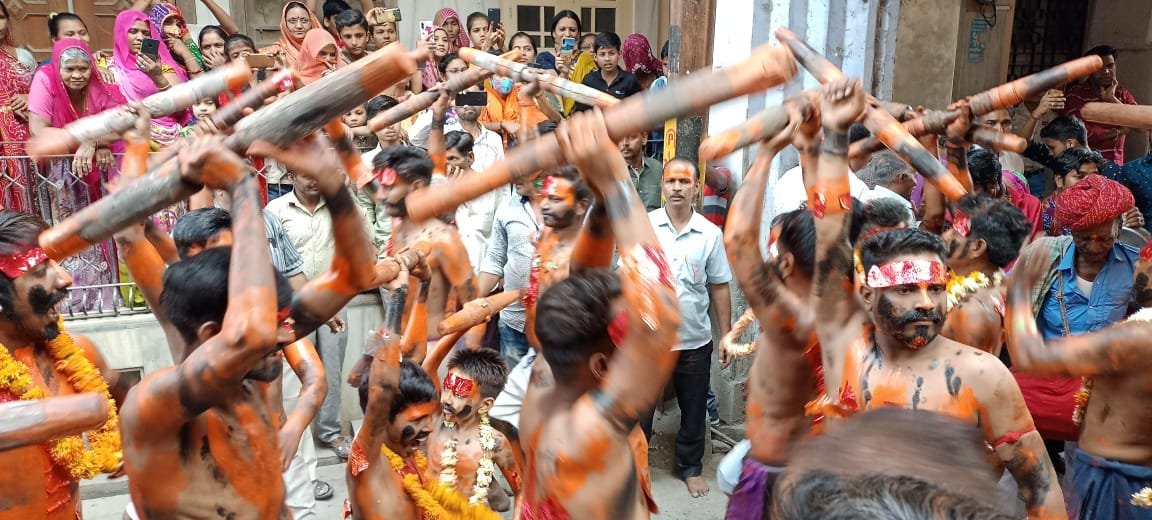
<point x="1087" y="287"/>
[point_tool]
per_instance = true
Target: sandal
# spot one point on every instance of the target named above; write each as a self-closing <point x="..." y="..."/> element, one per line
<point x="323" y="491"/>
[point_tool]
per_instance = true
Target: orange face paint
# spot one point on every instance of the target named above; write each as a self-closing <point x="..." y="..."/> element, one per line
<point x="560" y="188"/>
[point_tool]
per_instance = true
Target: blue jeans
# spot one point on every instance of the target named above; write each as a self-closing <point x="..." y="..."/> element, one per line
<point x="513" y="344"/>
<point x="276" y="190"/>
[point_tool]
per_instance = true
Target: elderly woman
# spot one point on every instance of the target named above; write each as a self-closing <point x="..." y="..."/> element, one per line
<point x="67" y="89"/>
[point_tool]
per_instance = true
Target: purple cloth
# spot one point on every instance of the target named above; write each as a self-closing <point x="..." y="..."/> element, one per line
<point x="753" y="494"/>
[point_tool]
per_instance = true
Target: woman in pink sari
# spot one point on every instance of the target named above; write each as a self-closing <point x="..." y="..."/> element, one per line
<point x="139" y="76"/>
<point x="16" y="67"/>
<point x="449" y="19"/>
<point x="438" y="44"/>
<point x="63" y="91"/>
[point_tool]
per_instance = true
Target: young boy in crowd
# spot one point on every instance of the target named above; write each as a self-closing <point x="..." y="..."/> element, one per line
<point x="357" y="122"/>
<point x="464" y="450"/>
<point x="609" y="77"/>
<point x="352" y="29"/>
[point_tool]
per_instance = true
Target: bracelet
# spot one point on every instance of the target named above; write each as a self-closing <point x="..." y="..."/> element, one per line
<point x="835" y="142"/>
<point x="165" y="87"/>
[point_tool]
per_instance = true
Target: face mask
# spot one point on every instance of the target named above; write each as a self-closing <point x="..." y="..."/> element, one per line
<point x="502" y="85"/>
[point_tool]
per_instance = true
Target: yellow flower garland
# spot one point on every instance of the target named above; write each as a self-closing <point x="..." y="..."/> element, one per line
<point x="961" y="287"/>
<point x="486" y="469"/>
<point x="436" y="501"/>
<point x="104" y="454"/>
<point x="1142" y="498"/>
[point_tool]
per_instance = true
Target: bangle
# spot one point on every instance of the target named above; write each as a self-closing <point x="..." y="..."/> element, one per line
<point x="835" y="142"/>
<point x="165" y="87"/>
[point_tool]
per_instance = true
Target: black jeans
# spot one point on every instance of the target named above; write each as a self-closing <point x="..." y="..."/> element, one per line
<point x="690" y="380"/>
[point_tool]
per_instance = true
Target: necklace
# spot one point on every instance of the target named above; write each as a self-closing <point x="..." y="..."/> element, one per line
<point x="486" y="469"/>
<point x="962" y="287"/>
<point x="435" y="501"/>
<point x="103" y="453"/>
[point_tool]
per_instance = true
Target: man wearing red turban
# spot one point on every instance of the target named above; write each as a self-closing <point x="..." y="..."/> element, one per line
<point x="1086" y="288"/>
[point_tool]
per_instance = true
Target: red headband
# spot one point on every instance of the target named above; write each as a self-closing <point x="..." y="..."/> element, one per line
<point x="618" y="328"/>
<point x="907" y="272"/>
<point x="386" y="175"/>
<point x="17" y="265"/>
<point x="961" y="223"/>
<point x="459" y="386"/>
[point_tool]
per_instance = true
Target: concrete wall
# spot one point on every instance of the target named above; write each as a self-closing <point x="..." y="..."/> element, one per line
<point x="137" y="343"/>
<point x="1127" y="26"/>
<point x="925" y="63"/>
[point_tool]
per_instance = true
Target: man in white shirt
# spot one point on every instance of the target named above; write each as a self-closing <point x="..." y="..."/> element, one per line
<point x="788" y="193"/>
<point x="473" y="218"/>
<point x="695" y="251"/>
<point x="889" y="177"/>
<point x="304" y="214"/>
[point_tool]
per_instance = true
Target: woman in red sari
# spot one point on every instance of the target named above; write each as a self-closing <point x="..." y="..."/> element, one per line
<point x="16" y="67"/>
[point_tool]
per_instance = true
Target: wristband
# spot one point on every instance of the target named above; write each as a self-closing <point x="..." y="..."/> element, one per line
<point x="835" y="143"/>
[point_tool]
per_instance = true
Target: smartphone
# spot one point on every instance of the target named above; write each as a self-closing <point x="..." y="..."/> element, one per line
<point x="260" y="61"/>
<point x="472" y="99"/>
<point x="568" y="45"/>
<point x="151" y="48"/>
<point x="394" y="13"/>
<point x="493" y="16"/>
<point x="426" y="28"/>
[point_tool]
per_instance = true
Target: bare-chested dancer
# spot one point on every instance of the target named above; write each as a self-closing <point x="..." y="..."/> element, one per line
<point x="39" y="358"/>
<point x="1113" y="459"/>
<point x="202" y="441"/>
<point x="606" y="354"/>
<point x="402" y="170"/>
<point x="985" y="237"/>
<point x="888" y="351"/>
<point x="465" y="450"/>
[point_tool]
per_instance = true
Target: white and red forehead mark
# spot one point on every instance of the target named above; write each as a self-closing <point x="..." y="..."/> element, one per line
<point x="907" y="272"/>
<point x="16" y="265"/>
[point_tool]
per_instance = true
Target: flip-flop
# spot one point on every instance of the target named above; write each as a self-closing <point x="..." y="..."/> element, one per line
<point x="323" y="491"/>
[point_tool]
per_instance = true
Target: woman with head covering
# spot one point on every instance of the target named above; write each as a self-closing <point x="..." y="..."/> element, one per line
<point x="139" y="76"/>
<point x="67" y="89"/>
<point x="295" y="22"/>
<point x="318" y="56"/>
<point x="168" y="20"/>
<point x="638" y="60"/>
<point x="438" y="43"/>
<point x="449" y="19"/>
<point x="16" y="66"/>
<point x="212" y="37"/>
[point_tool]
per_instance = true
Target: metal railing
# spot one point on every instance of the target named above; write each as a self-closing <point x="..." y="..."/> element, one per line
<point x="50" y="189"/>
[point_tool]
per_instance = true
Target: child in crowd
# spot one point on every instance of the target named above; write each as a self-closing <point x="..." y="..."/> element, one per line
<point x="609" y="77"/>
<point x="357" y="122"/>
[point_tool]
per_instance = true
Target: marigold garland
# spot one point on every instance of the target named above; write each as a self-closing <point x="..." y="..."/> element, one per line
<point x="962" y="287"/>
<point x="1142" y="498"/>
<point x="435" y="501"/>
<point x="102" y="454"/>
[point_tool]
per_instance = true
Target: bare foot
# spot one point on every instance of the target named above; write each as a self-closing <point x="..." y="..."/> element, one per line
<point x="697" y="486"/>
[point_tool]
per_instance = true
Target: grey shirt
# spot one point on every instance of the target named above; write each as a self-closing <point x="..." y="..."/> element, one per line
<point x="510" y="251"/>
<point x="647" y="182"/>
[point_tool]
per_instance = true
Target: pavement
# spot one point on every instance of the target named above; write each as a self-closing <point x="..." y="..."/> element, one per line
<point x="104" y="500"/>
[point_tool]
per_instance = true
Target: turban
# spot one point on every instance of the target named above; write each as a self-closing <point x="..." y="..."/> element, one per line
<point x="1093" y="201"/>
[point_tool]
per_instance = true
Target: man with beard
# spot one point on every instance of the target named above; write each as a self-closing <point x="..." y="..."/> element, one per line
<point x="402" y="170"/>
<point x="605" y="348"/>
<point x="985" y="236"/>
<point x="40" y="360"/>
<point x="202" y="439"/>
<point x="888" y="351"/>
<point x="695" y="247"/>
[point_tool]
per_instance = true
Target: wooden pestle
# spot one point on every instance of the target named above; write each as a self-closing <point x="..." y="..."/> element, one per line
<point x="60" y="141"/>
<point x="286" y="121"/>
<point x="769" y="65"/>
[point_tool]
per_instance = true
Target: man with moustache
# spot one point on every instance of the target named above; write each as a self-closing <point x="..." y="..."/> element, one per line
<point x="886" y="350"/>
<point x="695" y="249"/>
<point x="33" y="482"/>
<point x="402" y="170"/>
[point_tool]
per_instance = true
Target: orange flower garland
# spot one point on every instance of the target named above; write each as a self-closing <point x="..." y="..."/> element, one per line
<point x="103" y="454"/>
<point x="435" y="501"/>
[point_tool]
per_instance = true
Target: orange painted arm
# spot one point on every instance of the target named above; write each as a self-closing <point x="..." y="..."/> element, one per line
<point x="595" y="243"/>
<point x="414" y="342"/>
<point x="305" y="363"/>
<point x="477" y="312"/>
<point x="440" y="352"/>
<point x="33" y="422"/>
